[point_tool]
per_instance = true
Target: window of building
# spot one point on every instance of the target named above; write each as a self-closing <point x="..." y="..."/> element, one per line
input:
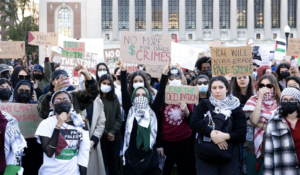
<point x="67" y="31"/>
<point x="258" y="36"/>
<point x="207" y="14"/>
<point x="64" y="21"/>
<point x="274" y="35"/>
<point x="64" y="15"/>
<point x="190" y="14"/>
<point x="123" y="14"/>
<point x="156" y="14"/>
<point x="292" y="12"/>
<point x="190" y="36"/>
<point x="106" y="36"/>
<point x="275" y="13"/>
<point x="173" y="14"/>
<point x="224" y="14"/>
<point x="291" y="35"/>
<point x="106" y="14"/>
<point x="259" y="13"/>
<point x="140" y="14"/>
<point x="241" y="14"/>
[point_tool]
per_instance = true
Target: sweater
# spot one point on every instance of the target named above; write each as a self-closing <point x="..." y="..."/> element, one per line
<point x="47" y="75"/>
<point x="239" y="129"/>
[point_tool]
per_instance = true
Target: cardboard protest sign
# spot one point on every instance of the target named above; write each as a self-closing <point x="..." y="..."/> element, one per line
<point x="111" y="56"/>
<point x="26" y="115"/>
<point x="74" y="46"/>
<point x="231" y="60"/>
<point x="42" y="39"/>
<point x="12" y="49"/>
<point x="131" y="67"/>
<point x="59" y="47"/>
<point x="293" y="47"/>
<point x="177" y="94"/>
<point x="145" y="49"/>
<point x="184" y="55"/>
<point x="216" y="43"/>
<point x="155" y="70"/>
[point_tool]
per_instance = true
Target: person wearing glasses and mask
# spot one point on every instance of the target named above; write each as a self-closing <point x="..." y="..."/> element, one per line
<point x="259" y="110"/>
<point x="101" y="69"/>
<point x="202" y="82"/>
<point x="4" y="71"/>
<point x="282" y="145"/>
<point x="6" y="91"/>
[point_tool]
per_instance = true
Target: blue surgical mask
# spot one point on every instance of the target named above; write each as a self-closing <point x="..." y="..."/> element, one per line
<point x="254" y="74"/>
<point x="65" y="88"/>
<point x="203" y="88"/>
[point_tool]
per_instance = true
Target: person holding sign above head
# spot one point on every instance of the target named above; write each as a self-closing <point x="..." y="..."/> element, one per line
<point x="136" y="148"/>
<point x="101" y="69"/>
<point x="259" y="109"/>
<point x="81" y="99"/>
<point x="221" y="125"/>
<point x="6" y="91"/>
<point x="64" y="138"/>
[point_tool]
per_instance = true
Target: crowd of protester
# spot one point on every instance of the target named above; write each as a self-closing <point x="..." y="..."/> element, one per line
<point x="119" y="123"/>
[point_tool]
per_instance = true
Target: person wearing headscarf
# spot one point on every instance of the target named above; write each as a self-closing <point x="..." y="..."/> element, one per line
<point x="12" y="144"/>
<point x="23" y="92"/>
<point x="282" y="145"/>
<point x="64" y="138"/>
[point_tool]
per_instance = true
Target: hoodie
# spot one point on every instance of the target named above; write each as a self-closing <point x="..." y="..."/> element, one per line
<point x="14" y="76"/>
<point x="16" y="93"/>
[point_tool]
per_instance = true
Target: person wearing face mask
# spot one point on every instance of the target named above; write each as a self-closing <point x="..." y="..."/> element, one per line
<point x="282" y="72"/>
<point x="64" y="137"/>
<point x="6" y="91"/>
<point x="81" y="99"/>
<point x="282" y="145"/>
<point x="110" y="141"/>
<point x="5" y="71"/>
<point x="101" y="69"/>
<point x="258" y="110"/>
<point x="202" y="83"/>
<point x="204" y="66"/>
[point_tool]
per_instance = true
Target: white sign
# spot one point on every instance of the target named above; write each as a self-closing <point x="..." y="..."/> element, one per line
<point x="94" y="45"/>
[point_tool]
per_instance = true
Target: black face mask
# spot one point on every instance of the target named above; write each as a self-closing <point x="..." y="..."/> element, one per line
<point x="23" y="97"/>
<point x="37" y="76"/>
<point x="119" y="77"/>
<point x="206" y="72"/>
<point x="7" y="76"/>
<point x="5" y="94"/>
<point x="284" y="75"/>
<point x="62" y="107"/>
<point x="289" y="107"/>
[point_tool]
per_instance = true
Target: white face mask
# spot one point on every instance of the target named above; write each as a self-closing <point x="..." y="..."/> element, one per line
<point x="105" y="88"/>
<point x="100" y="73"/>
<point x="136" y="85"/>
<point x="175" y="82"/>
<point x="203" y="88"/>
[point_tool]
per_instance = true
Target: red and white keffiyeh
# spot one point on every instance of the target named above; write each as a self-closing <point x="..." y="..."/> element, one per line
<point x="269" y="105"/>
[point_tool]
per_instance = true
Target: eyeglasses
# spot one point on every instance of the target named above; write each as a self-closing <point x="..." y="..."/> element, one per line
<point x="292" y="100"/>
<point x="202" y="82"/>
<point x="58" y="101"/>
<point x="266" y="85"/>
<point x="22" y="77"/>
<point x="22" y="91"/>
<point x="172" y="77"/>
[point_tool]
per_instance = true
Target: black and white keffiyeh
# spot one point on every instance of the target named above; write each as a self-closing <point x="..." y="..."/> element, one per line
<point x="225" y="106"/>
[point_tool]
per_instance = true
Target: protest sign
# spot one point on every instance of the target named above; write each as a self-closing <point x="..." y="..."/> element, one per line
<point x="216" y="43"/>
<point x="111" y="56"/>
<point x="60" y="45"/>
<point x="42" y="39"/>
<point x="74" y="46"/>
<point x="231" y="60"/>
<point x="187" y="94"/>
<point x="26" y="115"/>
<point x="131" y="67"/>
<point x="293" y="47"/>
<point x="12" y="49"/>
<point x="155" y="70"/>
<point x="94" y="45"/>
<point x="145" y="49"/>
<point x="204" y="54"/>
<point x="265" y="56"/>
<point x="280" y="49"/>
<point x="184" y="55"/>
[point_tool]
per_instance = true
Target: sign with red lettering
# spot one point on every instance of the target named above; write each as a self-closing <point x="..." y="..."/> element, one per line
<point x="26" y="115"/>
<point x="145" y="49"/>
<point x="177" y="94"/>
<point x="74" y="46"/>
<point x="42" y="39"/>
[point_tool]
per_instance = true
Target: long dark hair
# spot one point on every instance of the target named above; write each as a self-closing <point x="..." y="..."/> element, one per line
<point x="283" y="113"/>
<point x="223" y="80"/>
<point x="97" y="68"/>
<point x="274" y="82"/>
<point x="146" y="83"/>
<point x="111" y="94"/>
<point x="236" y="90"/>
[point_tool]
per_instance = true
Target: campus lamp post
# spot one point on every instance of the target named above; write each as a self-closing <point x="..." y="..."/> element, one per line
<point x="287" y="30"/>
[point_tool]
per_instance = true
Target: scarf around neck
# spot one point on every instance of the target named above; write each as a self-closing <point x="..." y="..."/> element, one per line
<point x="224" y="106"/>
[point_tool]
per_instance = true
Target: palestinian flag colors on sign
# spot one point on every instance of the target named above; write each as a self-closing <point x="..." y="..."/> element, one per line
<point x="280" y="49"/>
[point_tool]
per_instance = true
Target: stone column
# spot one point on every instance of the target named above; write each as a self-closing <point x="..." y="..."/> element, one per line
<point x="115" y="17"/>
<point x="267" y="19"/>
<point x="250" y="19"/>
<point x="199" y="33"/>
<point x="181" y="20"/>
<point x="233" y="20"/>
<point x="165" y="20"/>
<point x="132" y="15"/>
<point x="148" y="17"/>
<point x="216" y="20"/>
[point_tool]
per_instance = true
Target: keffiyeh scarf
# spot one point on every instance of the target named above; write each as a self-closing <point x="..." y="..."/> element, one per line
<point x="224" y="106"/>
<point x="268" y="106"/>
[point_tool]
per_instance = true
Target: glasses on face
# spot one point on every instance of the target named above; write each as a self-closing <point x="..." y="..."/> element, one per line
<point x="172" y="77"/>
<point x="24" y="77"/>
<point x="64" y="100"/>
<point x="292" y="100"/>
<point x="24" y="90"/>
<point x="102" y="69"/>
<point x="202" y="82"/>
<point x="265" y="85"/>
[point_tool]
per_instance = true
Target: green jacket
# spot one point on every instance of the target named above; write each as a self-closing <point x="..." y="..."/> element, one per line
<point x="47" y="76"/>
<point x="81" y="99"/>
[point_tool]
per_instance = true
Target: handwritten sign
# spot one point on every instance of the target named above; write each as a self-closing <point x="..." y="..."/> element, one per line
<point x="26" y="115"/>
<point x="184" y="55"/>
<point x="111" y="56"/>
<point x="42" y="39"/>
<point x="204" y="54"/>
<point x="293" y="47"/>
<point x="232" y="60"/>
<point x="60" y="45"/>
<point x="216" y="43"/>
<point x="177" y="94"/>
<point x="74" y="46"/>
<point x="265" y="56"/>
<point x="145" y="49"/>
<point x="155" y="70"/>
<point x="12" y="49"/>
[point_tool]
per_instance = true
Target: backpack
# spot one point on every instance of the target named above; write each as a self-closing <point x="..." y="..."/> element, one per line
<point x="208" y="151"/>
